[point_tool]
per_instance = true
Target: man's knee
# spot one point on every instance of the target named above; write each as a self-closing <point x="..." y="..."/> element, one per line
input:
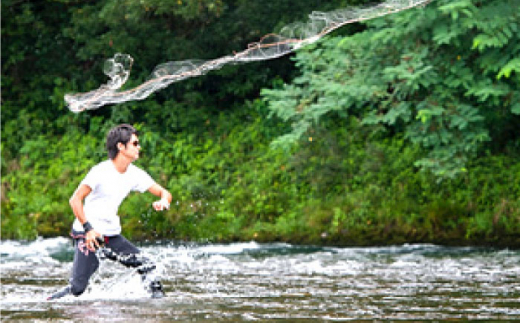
<point x="146" y="268"/>
<point x="135" y="260"/>
<point x="144" y="265"/>
<point x="77" y="292"/>
<point x="78" y="287"/>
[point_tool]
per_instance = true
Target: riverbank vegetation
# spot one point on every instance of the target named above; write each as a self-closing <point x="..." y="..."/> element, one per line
<point x="400" y="130"/>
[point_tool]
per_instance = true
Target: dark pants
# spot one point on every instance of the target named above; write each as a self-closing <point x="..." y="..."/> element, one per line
<point x="117" y="248"/>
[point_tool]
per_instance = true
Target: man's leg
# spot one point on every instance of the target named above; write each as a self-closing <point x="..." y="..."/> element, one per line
<point x="85" y="264"/>
<point x="122" y="250"/>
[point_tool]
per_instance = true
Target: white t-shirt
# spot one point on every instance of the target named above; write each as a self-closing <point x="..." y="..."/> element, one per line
<point x="109" y="188"/>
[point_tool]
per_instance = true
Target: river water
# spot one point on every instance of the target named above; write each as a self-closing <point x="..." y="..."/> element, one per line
<point x="268" y="282"/>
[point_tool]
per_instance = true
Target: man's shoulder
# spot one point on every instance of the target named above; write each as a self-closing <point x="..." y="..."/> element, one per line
<point x="102" y="166"/>
<point x="135" y="169"/>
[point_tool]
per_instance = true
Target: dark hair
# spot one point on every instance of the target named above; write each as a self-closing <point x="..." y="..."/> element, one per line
<point x="119" y="134"/>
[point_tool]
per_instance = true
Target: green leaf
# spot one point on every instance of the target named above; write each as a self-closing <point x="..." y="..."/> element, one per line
<point x="511" y="66"/>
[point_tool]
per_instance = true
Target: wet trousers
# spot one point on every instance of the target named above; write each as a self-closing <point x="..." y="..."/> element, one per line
<point x="117" y="248"/>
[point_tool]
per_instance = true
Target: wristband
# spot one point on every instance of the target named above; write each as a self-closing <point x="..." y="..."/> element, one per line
<point x="87" y="226"/>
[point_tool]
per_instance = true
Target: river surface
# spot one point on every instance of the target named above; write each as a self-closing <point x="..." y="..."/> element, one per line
<point x="268" y="282"/>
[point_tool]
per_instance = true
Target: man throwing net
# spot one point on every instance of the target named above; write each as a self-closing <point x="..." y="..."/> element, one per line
<point x="97" y="223"/>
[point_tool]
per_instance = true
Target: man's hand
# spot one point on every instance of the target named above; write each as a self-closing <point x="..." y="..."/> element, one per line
<point x="90" y="240"/>
<point x="166" y="197"/>
<point x="160" y="205"/>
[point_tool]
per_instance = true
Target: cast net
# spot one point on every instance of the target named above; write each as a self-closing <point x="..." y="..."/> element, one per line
<point x="271" y="46"/>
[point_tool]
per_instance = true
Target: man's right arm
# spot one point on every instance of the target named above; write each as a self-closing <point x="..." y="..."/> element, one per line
<point x="76" y="203"/>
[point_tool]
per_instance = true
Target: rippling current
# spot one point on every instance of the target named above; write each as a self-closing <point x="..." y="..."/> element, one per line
<point x="252" y="281"/>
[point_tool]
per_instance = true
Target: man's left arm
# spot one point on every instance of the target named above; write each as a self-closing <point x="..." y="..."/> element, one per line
<point x="166" y="197"/>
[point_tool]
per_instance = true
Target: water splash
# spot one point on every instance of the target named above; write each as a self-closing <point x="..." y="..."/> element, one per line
<point x="243" y="281"/>
<point x="271" y="46"/>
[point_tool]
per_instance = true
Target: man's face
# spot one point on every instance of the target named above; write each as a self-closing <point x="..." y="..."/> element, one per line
<point x="132" y="148"/>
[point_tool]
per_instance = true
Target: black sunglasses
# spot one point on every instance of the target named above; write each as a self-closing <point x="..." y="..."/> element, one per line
<point x="135" y="143"/>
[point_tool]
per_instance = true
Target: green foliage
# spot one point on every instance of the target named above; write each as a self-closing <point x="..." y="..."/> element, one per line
<point x="346" y="187"/>
<point x="438" y="75"/>
<point x="434" y="88"/>
<point x="36" y="187"/>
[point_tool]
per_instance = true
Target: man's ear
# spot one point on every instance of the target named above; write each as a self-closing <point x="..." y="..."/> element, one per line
<point x="120" y="146"/>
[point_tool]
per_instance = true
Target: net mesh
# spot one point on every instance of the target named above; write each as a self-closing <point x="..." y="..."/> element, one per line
<point x="271" y="46"/>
